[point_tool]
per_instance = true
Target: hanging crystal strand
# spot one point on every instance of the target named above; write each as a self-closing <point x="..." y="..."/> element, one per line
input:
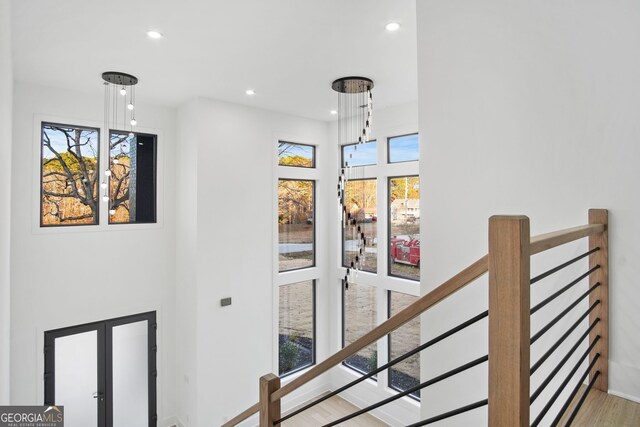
<point x="362" y="246"/>
<point x="354" y="104"/>
<point x="124" y="109"/>
<point x="103" y="183"/>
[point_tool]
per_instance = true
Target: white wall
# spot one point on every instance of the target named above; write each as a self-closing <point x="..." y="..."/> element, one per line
<point x="532" y="108"/>
<point x="64" y="277"/>
<point x="229" y="253"/>
<point x="6" y="97"/>
<point x="188" y="136"/>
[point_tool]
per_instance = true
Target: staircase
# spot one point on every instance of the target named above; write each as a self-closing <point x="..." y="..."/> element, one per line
<point x="511" y="400"/>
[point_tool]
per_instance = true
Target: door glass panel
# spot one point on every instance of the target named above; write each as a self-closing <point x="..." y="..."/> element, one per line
<point x="76" y="370"/>
<point x="130" y="375"/>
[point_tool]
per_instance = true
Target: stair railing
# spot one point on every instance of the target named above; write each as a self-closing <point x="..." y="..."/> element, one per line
<point x="509" y="314"/>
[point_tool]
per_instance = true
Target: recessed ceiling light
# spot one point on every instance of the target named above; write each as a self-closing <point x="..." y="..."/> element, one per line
<point x="333" y="112"/>
<point x="153" y="34"/>
<point x="250" y="92"/>
<point x="392" y="26"/>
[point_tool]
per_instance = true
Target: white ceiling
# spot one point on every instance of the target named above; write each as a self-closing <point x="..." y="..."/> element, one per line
<point x="289" y="51"/>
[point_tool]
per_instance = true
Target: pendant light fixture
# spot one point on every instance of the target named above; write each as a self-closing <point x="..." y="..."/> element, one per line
<point x="355" y="115"/>
<point x="119" y="114"/>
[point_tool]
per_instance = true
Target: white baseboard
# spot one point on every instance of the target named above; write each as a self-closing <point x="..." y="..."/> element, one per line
<point x="626" y="396"/>
<point x="378" y="413"/>
<point x="624" y="381"/>
<point x="303" y="398"/>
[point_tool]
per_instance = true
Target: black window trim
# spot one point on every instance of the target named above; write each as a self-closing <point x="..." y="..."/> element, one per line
<point x="313" y="155"/>
<point x="357" y="143"/>
<point x="313" y="262"/>
<point x="389" y="138"/>
<point x="391" y="386"/>
<point x="44" y="123"/>
<point x="343" y="256"/>
<point x="344" y="362"/>
<point x="155" y="177"/>
<point x="313" y="325"/>
<point x="388" y="243"/>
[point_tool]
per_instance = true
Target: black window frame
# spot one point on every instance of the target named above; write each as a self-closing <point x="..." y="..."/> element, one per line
<point x="313" y="155"/>
<point x="389" y="383"/>
<point x="155" y="177"/>
<point x="314" y="326"/>
<point x="400" y="136"/>
<point x="313" y="210"/>
<point x="343" y="255"/>
<point x="388" y="243"/>
<point x="44" y="123"/>
<point x="342" y="163"/>
<point x="344" y="310"/>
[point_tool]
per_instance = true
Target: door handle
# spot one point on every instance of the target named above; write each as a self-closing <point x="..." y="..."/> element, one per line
<point x="98" y="395"/>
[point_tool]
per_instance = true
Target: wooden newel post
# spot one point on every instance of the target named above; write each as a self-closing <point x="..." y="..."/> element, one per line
<point x="601" y="275"/>
<point x="509" y="325"/>
<point x="269" y="411"/>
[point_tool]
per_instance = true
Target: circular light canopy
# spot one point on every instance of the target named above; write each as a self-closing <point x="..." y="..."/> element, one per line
<point x="120" y="79"/>
<point x="352" y="84"/>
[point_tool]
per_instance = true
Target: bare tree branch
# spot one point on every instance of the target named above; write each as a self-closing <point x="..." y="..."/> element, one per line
<point x="76" y="218"/>
<point x="72" y="181"/>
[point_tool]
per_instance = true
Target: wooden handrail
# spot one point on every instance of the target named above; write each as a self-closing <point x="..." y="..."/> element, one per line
<point x="538" y="244"/>
<point x="543" y="242"/>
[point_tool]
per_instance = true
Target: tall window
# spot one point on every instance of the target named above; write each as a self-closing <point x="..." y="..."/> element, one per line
<point x="361" y="199"/>
<point x="132" y="183"/>
<point x="296" y="231"/>
<point x="360" y="316"/>
<point x="69" y="175"/>
<point x="406" y="374"/>
<point x="384" y="198"/>
<point x="297" y="275"/>
<point x="297" y="327"/>
<point x="404" y="227"/>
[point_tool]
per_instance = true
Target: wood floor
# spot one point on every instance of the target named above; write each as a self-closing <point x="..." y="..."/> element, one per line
<point x="599" y="410"/>
<point x="330" y="410"/>
<point x="604" y="410"/>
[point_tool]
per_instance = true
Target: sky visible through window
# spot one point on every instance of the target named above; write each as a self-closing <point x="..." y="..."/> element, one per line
<point x="360" y="154"/>
<point x="59" y="141"/>
<point x="403" y="148"/>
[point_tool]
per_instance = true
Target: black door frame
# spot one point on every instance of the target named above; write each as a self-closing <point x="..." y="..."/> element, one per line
<point x="104" y="330"/>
